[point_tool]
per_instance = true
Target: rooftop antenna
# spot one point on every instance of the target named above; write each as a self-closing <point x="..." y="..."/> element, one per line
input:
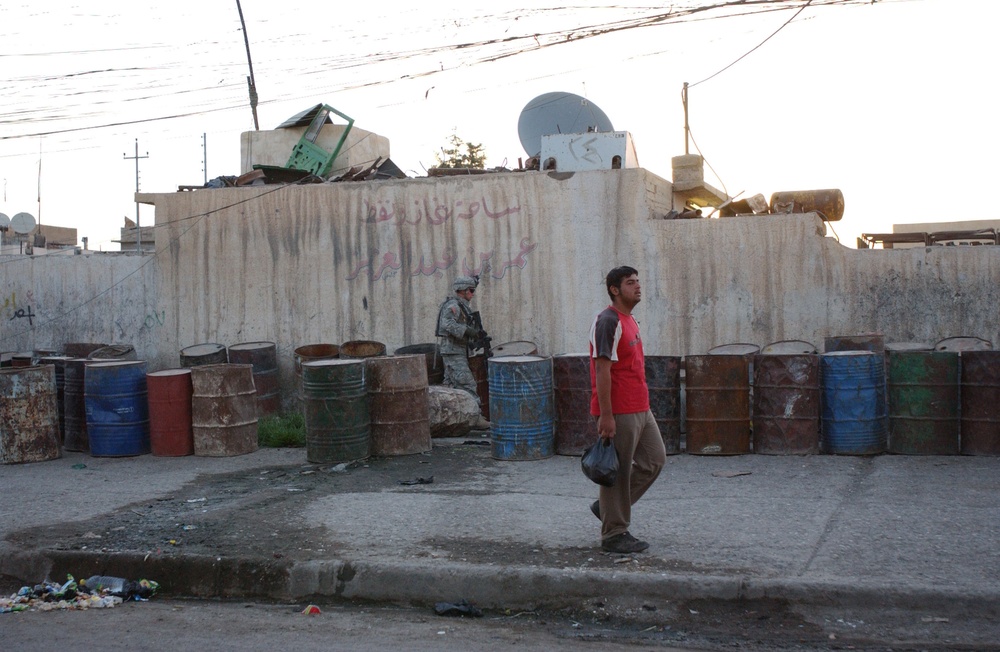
<point x="39" y="182"/>
<point x="136" y="157"/>
<point x="250" y="80"/>
<point x="687" y="128"/>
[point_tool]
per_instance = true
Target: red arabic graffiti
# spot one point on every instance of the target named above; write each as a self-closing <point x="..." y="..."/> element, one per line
<point x="389" y="263"/>
<point x="398" y="214"/>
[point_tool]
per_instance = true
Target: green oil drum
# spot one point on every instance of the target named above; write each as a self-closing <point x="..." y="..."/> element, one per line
<point x="923" y="390"/>
<point x="336" y="410"/>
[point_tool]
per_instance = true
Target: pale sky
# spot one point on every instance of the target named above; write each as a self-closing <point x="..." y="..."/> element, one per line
<point x="890" y="102"/>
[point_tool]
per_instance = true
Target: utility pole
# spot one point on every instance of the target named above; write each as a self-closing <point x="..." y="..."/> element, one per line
<point x="204" y="155"/>
<point x="137" y="157"/>
<point x="251" y="82"/>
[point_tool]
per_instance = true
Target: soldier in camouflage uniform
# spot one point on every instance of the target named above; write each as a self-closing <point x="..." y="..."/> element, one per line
<point x="456" y="332"/>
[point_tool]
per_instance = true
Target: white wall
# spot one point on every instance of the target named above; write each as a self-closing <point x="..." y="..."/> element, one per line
<point x="327" y="263"/>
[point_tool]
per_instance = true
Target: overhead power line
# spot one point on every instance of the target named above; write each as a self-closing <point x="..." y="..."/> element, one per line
<point x="471" y="53"/>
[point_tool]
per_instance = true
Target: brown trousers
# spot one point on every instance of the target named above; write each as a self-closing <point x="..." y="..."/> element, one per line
<point x="641" y="456"/>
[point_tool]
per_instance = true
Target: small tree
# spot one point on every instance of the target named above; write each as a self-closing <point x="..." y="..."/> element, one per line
<point x="461" y="154"/>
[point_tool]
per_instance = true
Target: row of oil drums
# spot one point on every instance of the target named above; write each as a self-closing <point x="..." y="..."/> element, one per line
<point x="118" y="408"/>
<point x="784" y="399"/>
<point x="861" y="397"/>
<point x="358" y="401"/>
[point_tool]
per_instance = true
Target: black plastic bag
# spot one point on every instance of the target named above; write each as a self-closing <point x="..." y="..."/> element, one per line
<point x="600" y="462"/>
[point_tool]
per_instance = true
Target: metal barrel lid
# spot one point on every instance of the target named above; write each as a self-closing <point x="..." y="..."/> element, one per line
<point x="789" y="347"/>
<point x="963" y="343"/>
<point x="738" y="348"/>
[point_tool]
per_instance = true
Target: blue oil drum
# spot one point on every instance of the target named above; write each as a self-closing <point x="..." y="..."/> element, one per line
<point x="117" y="408"/>
<point x="337" y="413"/>
<point x="854" y="407"/>
<point x="521" y="407"/>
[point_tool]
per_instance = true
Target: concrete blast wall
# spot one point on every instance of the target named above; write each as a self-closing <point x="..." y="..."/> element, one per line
<point x="327" y="263"/>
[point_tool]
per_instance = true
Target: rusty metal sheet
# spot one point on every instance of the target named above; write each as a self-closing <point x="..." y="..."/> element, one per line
<point x="786" y="404"/>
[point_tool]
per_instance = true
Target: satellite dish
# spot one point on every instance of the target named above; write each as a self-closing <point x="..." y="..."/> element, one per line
<point x="4" y="221"/>
<point x="558" y="113"/>
<point x="23" y="223"/>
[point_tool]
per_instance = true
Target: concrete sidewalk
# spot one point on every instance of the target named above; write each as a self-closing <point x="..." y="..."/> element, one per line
<point x="890" y="531"/>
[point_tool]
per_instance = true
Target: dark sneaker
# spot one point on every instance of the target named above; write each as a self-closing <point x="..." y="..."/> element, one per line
<point x="595" y="507"/>
<point x="623" y="543"/>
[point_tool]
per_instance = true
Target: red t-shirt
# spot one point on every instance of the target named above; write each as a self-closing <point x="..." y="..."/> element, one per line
<point x="615" y="336"/>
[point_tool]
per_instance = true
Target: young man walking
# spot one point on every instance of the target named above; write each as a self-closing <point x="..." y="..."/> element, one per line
<point x="620" y="401"/>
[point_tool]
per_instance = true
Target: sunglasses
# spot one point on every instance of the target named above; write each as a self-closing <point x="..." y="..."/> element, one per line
<point x="472" y="290"/>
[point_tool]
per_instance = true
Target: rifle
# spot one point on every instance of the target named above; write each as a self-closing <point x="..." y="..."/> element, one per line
<point x="483" y="339"/>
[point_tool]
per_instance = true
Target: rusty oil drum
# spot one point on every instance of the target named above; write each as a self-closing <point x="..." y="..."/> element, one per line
<point x="361" y="349"/>
<point x="922" y="387"/>
<point x="223" y="410"/>
<point x="521" y="405"/>
<point x="59" y="362"/>
<point x="74" y="408"/>
<point x="829" y="202"/>
<point x="479" y="366"/>
<point x="963" y="343"/>
<point x="81" y="349"/>
<point x="575" y="428"/>
<point x="874" y="342"/>
<point x="663" y="378"/>
<point x="718" y="404"/>
<point x="432" y="353"/>
<point x="786" y="404"/>
<point x="29" y="415"/>
<point x="336" y="410"/>
<point x="789" y="347"/>
<point x="980" y="398"/>
<point x="308" y="353"/>
<point x="169" y="392"/>
<point x="203" y="354"/>
<point x="263" y="358"/>
<point x="400" y="413"/>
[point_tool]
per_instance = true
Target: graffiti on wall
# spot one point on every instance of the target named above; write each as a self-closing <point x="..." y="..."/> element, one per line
<point x="391" y="263"/>
<point x="377" y="265"/>
<point x="12" y="311"/>
<point x="422" y="211"/>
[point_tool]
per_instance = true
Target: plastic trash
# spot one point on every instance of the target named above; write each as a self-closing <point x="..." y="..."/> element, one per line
<point x="120" y="587"/>
<point x="463" y="608"/>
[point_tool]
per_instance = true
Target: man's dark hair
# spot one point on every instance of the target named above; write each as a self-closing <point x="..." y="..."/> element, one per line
<point x="616" y="276"/>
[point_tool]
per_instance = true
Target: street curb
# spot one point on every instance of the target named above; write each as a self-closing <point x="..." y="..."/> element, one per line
<point x="489" y="587"/>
